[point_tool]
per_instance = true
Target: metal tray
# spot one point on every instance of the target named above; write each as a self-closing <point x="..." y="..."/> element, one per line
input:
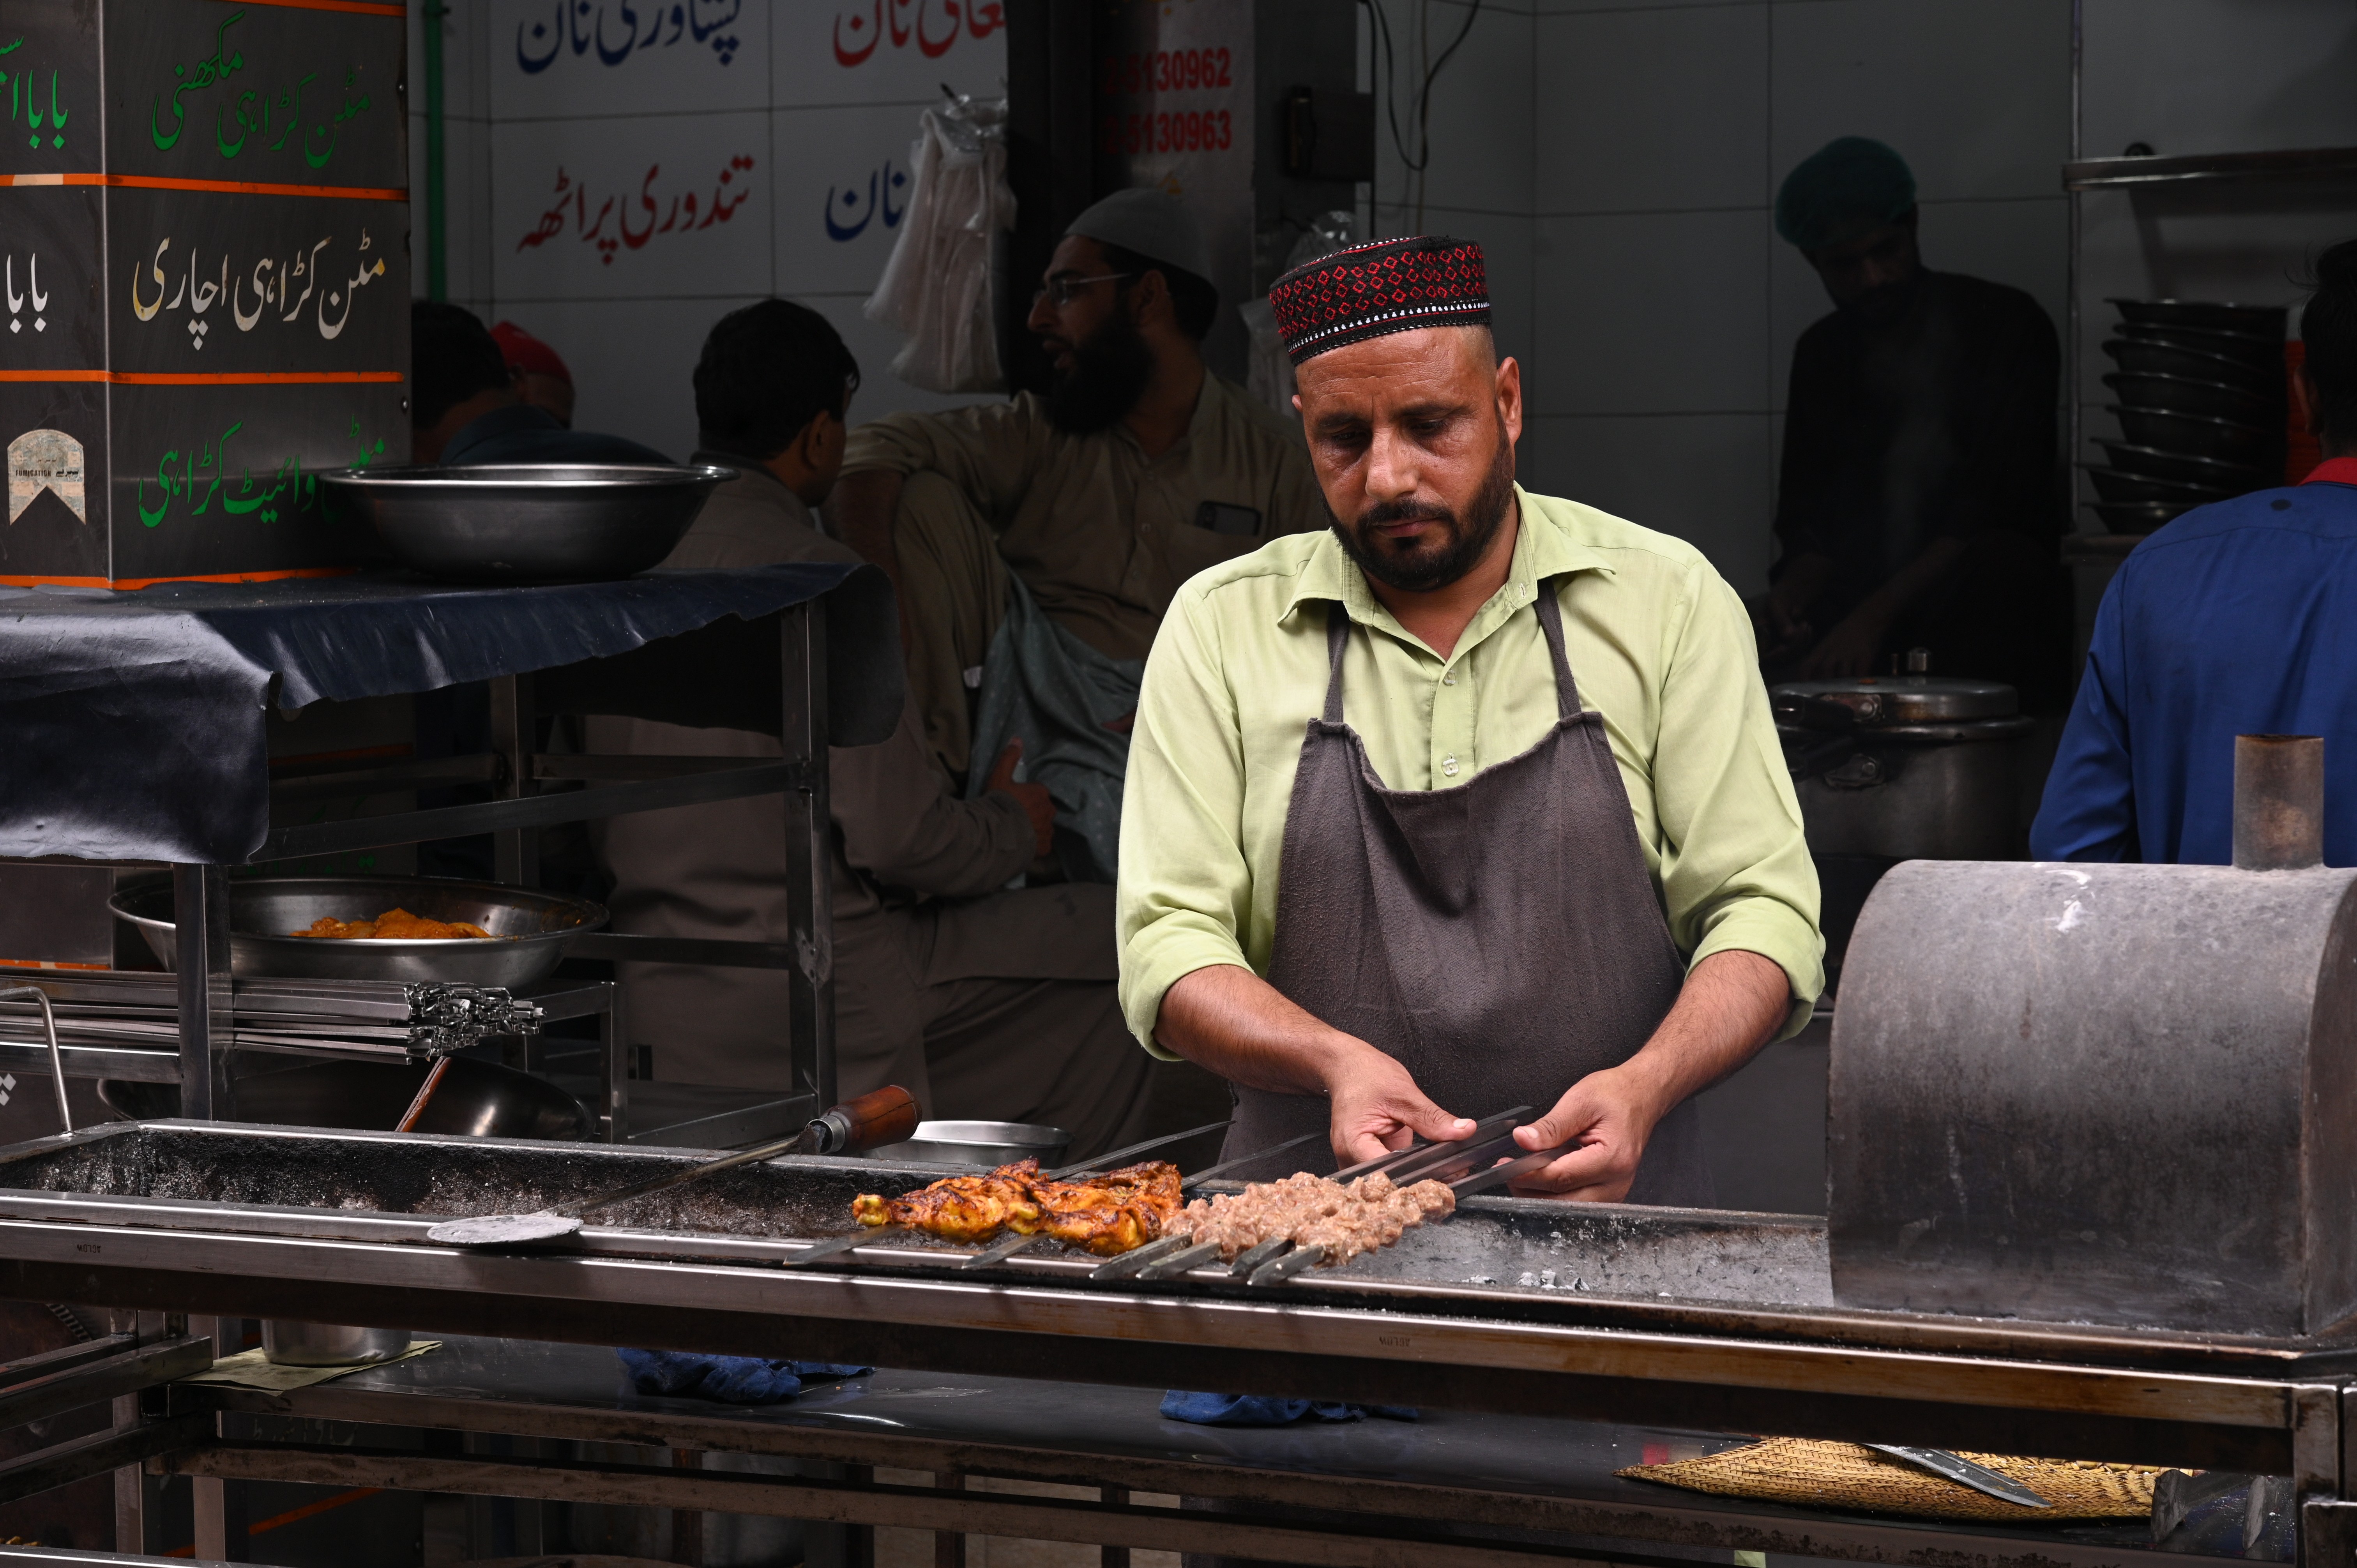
<point x="529" y="932"/>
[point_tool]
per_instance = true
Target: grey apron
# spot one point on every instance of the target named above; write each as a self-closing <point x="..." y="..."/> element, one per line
<point x="1501" y="940"/>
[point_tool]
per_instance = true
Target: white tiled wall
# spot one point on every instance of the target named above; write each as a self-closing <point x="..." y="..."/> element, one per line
<point x="1665" y="306"/>
<point x="1617" y="159"/>
<point x="624" y="172"/>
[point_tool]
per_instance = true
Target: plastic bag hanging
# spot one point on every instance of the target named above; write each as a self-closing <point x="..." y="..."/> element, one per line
<point x="1268" y="373"/>
<point x="936" y="286"/>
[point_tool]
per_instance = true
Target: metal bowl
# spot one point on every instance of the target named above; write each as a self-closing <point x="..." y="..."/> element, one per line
<point x="291" y="1344"/>
<point x="2253" y="350"/>
<point x="2233" y="479"/>
<point x="529" y="932"/>
<point x="2185" y="394"/>
<point x="982" y="1145"/>
<point x="2163" y="357"/>
<point x="2200" y="436"/>
<point x="475" y="1100"/>
<point x="2111" y="485"/>
<point x="554" y="522"/>
<point x="2251" y="321"/>
<point x="2137" y="517"/>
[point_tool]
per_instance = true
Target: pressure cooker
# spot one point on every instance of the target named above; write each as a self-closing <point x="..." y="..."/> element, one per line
<point x="1913" y="767"/>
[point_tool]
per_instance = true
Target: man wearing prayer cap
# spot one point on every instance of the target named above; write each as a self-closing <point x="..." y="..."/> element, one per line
<point x="1918" y="503"/>
<point x="1072" y="518"/>
<point x="1472" y="803"/>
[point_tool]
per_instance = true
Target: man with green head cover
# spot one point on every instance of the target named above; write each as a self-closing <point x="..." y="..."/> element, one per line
<point x="1918" y="504"/>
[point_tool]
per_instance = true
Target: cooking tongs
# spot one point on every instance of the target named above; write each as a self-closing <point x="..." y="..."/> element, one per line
<point x="1484" y="1158"/>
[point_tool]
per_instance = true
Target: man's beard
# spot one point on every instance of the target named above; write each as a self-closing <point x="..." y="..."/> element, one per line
<point x="1424" y="567"/>
<point x="1109" y="373"/>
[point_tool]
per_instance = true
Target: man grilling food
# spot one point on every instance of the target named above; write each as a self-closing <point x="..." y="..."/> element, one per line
<point x="1473" y="802"/>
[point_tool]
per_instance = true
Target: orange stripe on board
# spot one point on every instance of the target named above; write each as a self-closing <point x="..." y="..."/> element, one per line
<point x="127" y="585"/>
<point x="212" y="378"/>
<point x="217" y="187"/>
<point x="45" y="963"/>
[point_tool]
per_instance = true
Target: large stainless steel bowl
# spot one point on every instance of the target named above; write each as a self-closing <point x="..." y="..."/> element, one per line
<point x="2264" y="321"/>
<point x="2190" y="395"/>
<point x="979" y="1144"/>
<point x="552" y="522"/>
<point x="475" y="1100"/>
<point x="529" y="932"/>
<point x="2200" y="436"/>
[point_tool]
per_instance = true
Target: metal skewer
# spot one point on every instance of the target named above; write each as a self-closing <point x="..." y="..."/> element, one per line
<point x="424" y="1094"/>
<point x="1006" y="1247"/>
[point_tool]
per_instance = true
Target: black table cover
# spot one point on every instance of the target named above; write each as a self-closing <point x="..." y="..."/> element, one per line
<point x="132" y="724"/>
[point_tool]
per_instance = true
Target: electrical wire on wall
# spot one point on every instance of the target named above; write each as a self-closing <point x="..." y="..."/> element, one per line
<point x="1385" y="63"/>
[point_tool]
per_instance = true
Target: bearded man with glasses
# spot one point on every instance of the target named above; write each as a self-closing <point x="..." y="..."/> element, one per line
<point x="1036" y="542"/>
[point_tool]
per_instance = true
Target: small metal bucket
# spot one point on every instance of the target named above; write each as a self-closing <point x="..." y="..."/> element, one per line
<point x="286" y="1343"/>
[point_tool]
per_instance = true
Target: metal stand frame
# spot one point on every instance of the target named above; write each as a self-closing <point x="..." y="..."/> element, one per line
<point x="617" y="786"/>
<point x="516" y="1443"/>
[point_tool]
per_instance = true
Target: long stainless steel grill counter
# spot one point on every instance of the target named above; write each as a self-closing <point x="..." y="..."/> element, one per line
<point x="1696" y="1319"/>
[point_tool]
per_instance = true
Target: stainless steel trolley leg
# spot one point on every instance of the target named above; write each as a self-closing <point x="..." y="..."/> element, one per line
<point x="200" y="911"/>
<point x="613" y="1040"/>
<point x="810" y="861"/>
<point x="515" y="852"/>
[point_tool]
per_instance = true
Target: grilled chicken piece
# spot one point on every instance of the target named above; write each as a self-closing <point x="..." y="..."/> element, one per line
<point x="960" y="1209"/>
<point x="394" y="923"/>
<point x="1105" y="1215"/>
<point x="1111" y="1213"/>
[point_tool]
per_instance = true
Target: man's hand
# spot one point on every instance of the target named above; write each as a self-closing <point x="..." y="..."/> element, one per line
<point x="1784" y="628"/>
<point x="1036" y="803"/>
<point x="1374" y="1106"/>
<point x="1731" y="1003"/>
<point x="1611" y="1116"/>
<point x="1228" y="1019"/>
<point x="1849" y="649"/>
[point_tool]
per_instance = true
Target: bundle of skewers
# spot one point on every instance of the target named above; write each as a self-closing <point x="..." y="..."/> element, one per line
<point x="126" y="1010"/>
<point x="1135" y="1215"/>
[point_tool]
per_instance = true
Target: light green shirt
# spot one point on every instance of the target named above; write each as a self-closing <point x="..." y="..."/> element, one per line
<point x="1657" y="643"/>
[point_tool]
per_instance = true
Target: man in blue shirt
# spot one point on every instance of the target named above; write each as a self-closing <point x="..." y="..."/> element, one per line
<point x="2236" y="618"/>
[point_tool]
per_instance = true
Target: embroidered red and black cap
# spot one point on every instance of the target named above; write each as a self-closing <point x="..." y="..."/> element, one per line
<point x="1387" y="285"/>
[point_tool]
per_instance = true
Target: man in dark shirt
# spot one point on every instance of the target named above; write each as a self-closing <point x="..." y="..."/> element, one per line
<point x="465" y="410"/>
<point x="1919" y="505"/>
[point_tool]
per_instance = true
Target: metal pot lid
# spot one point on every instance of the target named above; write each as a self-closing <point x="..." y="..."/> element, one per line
<point x="1874" y="701"/>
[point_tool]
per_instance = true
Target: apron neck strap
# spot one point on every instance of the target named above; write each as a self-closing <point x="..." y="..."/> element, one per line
<point x="1338" y="637"/>
<point x="1566" y="690"/>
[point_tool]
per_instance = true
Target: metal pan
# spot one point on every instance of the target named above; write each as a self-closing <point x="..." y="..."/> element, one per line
<point x="2255" y="352"/>
<point x="2233" y="478"/>
<point x="549" y="522"/>
<point x="982" y="1145"/>
<point x="2200" y="436"/>
<point x="529" y="932"/>
<point x="2166" y="357"/>
<point x="2113" y="485"/>
<point x="2137" y="517"/>
<point x="2252" y="321"/>
<point x="2185" y="394"/>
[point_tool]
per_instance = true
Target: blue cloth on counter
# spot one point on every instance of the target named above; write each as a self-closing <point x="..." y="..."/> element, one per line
<point x="730" y="1379"/>
<point x="2239" y="617"/>
<point x="1265" y="1410"/>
